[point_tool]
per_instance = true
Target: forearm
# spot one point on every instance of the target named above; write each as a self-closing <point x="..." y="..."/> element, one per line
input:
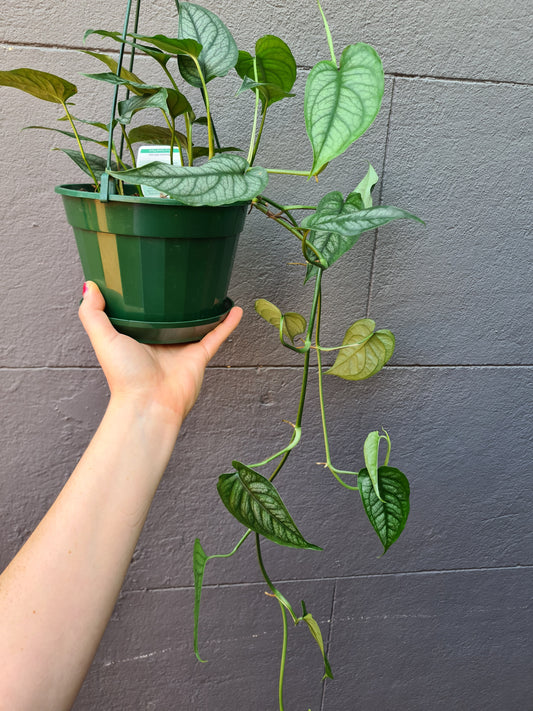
<point x="58" y="593"/>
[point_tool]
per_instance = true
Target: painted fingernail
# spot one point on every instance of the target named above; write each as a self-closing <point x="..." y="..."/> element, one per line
<point x="84" y="288"/>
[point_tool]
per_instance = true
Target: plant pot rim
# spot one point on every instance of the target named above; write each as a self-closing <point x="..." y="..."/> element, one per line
<point x="83" y="190"/>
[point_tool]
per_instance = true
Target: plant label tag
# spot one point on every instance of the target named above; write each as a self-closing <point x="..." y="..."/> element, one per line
<point x="149" y="154"/>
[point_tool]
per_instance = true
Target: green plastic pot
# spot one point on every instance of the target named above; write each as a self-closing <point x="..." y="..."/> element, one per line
<point x="163" y="268"/>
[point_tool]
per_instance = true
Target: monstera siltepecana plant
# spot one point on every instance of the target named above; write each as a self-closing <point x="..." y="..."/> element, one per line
<point x="159" y="238"/>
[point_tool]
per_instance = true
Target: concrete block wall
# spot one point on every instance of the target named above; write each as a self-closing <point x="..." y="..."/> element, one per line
<point x="441" y="622"/>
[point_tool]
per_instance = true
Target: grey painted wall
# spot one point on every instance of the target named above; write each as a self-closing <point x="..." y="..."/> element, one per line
<point x="441" y="621"/>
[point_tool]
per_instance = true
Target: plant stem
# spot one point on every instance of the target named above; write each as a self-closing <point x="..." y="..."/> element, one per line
<point x="263" y="117"/>
<point x="297" y="207"/>
<point x="281" y="208"/>
<point x="205" y="96"/>
<point x="128" y="143"/>
<point x="283" y="656"/>
<point x="256" y="112"/>
<point x="284" y="618"/>
<point x="328" y="34"/>
<point x="228" y="555"/>
<point x="296" y="436"/>
<point x="188" y="129"/>
<point x="279" y="171"/>
<point x="91" y="173"/>
<point x="329" y="465"/>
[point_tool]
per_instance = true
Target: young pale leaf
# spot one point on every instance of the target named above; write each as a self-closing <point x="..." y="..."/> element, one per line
<point x="275" y="66"/>
<point x="219" y="52"/>
<point x="42" y="85"/>
<point x="129" y="107"/>
<point x="223" y="180"/>
<point x="199" y="562"/>
<point x="255" y="502"/>
<point x="112" y="64"/>
<point x="365" y="187"/>
<point x="294" y="324"/>
<point x="70" y="134"/>
<point x="317" y="636"/>
<point x="342" y="102"/>
<point x="367" y="356"/>
<point x="388" y="514"/>
<point x="371" y="453"/>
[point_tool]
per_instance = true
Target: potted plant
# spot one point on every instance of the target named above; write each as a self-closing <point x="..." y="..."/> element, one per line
<point x="163" y="262"/>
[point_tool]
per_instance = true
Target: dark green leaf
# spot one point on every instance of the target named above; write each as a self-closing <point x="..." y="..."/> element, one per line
<point x="70" y="134"/>
<point x="160" y="57"/>
<point x="317" y="636"/>
<point x="255" y="502"/>
<point x="154" y="135"/>
<point x="129" y="107"/>
<point x="223" y="180"/>
<point x="275" y="66"/>
<point x="42" y="85"/>
<point x="199" y="562"/>
<point x="138" y="88"/>
<point x="181" y="47"/>
<point x="342" y="102"/>
<point x="219" y="52"/>
<point x="368" y="354"/>
<point x="97" y="163"/>
<point x="177" y="104"/>
<point x="389" y="515"/>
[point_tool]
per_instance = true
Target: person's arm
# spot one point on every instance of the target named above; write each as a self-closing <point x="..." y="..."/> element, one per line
<point x="58" y="593"/>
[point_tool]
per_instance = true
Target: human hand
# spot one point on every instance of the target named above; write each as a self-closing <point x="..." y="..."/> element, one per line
<point x="166" y="376"/>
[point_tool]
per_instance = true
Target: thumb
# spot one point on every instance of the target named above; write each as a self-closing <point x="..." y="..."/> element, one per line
<point x="94" y="320"/>
<point x="214" y="339"/>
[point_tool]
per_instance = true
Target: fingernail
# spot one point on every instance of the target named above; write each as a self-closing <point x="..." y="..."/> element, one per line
<point x="84" y="288"/>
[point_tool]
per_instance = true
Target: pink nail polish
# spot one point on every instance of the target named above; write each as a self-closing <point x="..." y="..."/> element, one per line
<point x="84" y="288"/>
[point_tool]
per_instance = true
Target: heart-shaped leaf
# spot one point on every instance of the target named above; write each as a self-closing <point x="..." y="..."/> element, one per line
<point x="199" y="562"/>
<point x="223" y="180"/>
<point x="342" y="102"/>
<point x="275" y="66"/>
<point x="255" y="502"/>
<point x="219" y="52"/>
<point x="48" y="87"/>
<point x="294" y="323"/>
<point x="156" y="135"/>
<point x="388" y="514"/>
<point x="368" y="354"/>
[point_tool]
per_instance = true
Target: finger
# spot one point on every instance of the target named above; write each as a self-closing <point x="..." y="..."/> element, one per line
<point x="95" y="321"/>
<point x="214" y="339"/>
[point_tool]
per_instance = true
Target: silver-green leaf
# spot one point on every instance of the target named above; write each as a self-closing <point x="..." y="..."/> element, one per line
<point x="219" y="52"/>
<point x="342" y="102"/>
<point x="366" y="352"/>
<point x="223" y="180"/>
<point x="255" y="502"/>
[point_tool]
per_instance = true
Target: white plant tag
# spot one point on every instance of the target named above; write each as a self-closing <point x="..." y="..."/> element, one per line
<point x="149" y="154"/>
